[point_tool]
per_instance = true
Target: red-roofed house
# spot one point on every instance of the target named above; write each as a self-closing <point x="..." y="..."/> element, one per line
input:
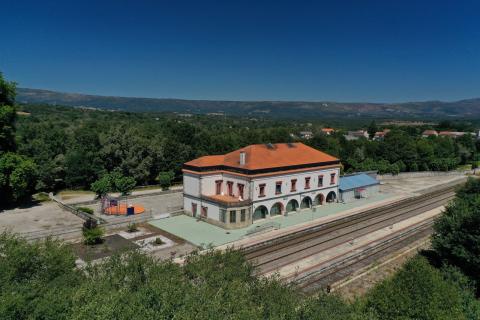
<point x="258" y="182"/>
<point x="328" y="131"/>
<point x="429" y="133"/>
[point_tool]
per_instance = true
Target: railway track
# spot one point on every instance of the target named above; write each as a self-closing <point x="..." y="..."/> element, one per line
<point x="327" y="274"/>
<point x="287" y="249"/>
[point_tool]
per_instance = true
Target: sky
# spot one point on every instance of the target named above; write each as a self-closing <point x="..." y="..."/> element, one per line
<point x="376" y="51"/>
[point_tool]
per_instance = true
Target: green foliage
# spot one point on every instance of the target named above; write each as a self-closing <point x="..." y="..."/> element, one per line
<point x="372" y="129"/>
<point x="92" y="233"/>
<point x="158" y="241"/>
<point x="17" y="177"/>
<point x="37" y="280"/>
<point x="132" y="227"/>
<point x="40" y="281"/>
<point x="113" y="182"/>
<point x="124" y="185"/>
<point x="74" y="148"/>
<point x="457" y="231"/>
<point x="86" y="210"/>
<point x="419" y="291"/>
<point x="92" y="236"/>
<point x="165" y="179"/>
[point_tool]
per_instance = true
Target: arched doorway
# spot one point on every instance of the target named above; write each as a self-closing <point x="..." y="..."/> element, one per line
<point x="276" y="209"/>
<point x="319" y="199"/>
<point x="292" y="205"/>
<point x="306" y="203"/>
<point x="331" y="197"/>
<point x="260" y="213"/>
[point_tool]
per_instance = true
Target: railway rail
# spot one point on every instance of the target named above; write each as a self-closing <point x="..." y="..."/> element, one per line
<point x="276" y="253"/>
<point x="327" y="274"/>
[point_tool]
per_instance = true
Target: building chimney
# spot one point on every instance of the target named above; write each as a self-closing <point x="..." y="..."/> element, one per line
<point x="242" y="158"/>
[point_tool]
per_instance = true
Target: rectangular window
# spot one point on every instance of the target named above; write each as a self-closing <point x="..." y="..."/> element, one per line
<point x="223" y="215"/>
<point x="278" y="187"/>
<point x="218" y="186"/>
<point x="233" y="216"/>
<point x="204" y="212"/>
<point x="240" y="190"/>
<point x="243" y="214"/>
<point x="294" y="185"/>
<point x="261" y="192"/>
<point x="307" y="183"/>
<point x="320" y="181"/>
<point x="332" y="178"/>
<point x="194" y="209"/>
<point x="230" y="188"/>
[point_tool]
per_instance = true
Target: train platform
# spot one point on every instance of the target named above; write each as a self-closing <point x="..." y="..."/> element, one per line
<point x="206" y="235"/>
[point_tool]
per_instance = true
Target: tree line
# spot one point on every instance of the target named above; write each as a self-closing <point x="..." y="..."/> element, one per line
<point x="54" y="147"/>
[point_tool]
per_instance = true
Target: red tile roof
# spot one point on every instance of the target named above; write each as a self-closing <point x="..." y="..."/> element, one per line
<point x="327" y="130"/>
<point x="264" y="156"/>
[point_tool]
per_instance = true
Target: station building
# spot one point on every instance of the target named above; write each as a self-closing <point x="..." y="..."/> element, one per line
<point x="357" y="186"/>
<point x="259" y="182"/>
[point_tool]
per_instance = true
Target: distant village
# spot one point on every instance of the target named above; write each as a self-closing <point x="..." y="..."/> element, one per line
<point x="379" y="135"/>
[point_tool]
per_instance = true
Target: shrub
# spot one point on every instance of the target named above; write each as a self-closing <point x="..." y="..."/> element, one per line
<point x="85" y="209"/>
<point x="92" y="233"/>
<point x="132" y="227"/>
<point x="165" y="179"/>
<point x="93" y="236"/>
<point x="158" y="241"/>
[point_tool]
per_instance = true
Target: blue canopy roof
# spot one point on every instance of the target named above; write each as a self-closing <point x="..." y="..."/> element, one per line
<point x="356" y="181"/>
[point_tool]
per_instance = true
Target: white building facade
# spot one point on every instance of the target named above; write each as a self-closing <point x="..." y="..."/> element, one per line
<point x="259" y="182"/>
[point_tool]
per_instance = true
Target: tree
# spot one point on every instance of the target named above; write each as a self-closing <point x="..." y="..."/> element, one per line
<point x="165" y="179"/>
<point x="419" y="291"/>
<point x="17" y="177"/>
<point x="7" y="115"/>
<point x="372" y="129"/>
<point x="102" y="186"/>
<point x="457" y="231"/>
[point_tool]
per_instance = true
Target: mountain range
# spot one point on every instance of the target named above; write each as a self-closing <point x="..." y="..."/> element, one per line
<point x="469" y="108"/>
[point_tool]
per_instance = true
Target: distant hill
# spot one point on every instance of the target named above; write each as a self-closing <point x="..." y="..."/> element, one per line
<point x="293" y="109"/>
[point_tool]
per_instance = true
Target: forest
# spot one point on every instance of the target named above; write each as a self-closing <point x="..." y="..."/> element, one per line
<point x="66" y="147"/>
<point x="40" y="281"/>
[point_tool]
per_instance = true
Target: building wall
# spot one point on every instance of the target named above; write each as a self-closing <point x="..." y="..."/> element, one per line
<point x="195" y="186"/>
<point x="349" y="195"/>
<point x="312" y="194"/>
<point x="270" y="183"/>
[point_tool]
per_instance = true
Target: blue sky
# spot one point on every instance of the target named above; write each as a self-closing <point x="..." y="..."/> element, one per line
<point x="385" y="51"/>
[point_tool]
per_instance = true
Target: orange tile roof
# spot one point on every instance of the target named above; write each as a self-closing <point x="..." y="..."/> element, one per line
<point x="327" y="130"/>
<point x="261" y="156"/>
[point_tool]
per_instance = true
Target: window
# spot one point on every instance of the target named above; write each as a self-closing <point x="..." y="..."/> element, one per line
<point x="278" y="187"/>
<point x="218" y="186"/>
<point x="240" y="190"/>
<point x="294" y="185"/>
<point x="243" y="214"/>
<point x="194" y="209"/>
<point x="230" y="188"/>
<point x="320" y="181"/>
<point x="233" y="216"/>
<point x="223" y="215"/>
<point x="261" y="188"/>
<point x="307" y="183"/>
<point x="332" y="178"/>
<point x="204" y="212"/>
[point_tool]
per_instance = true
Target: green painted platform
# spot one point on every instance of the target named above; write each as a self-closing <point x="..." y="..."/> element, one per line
<point x="204" y="234"/>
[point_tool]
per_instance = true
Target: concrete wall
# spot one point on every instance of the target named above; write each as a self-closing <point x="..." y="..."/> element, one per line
<point x="420" y="174"/>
